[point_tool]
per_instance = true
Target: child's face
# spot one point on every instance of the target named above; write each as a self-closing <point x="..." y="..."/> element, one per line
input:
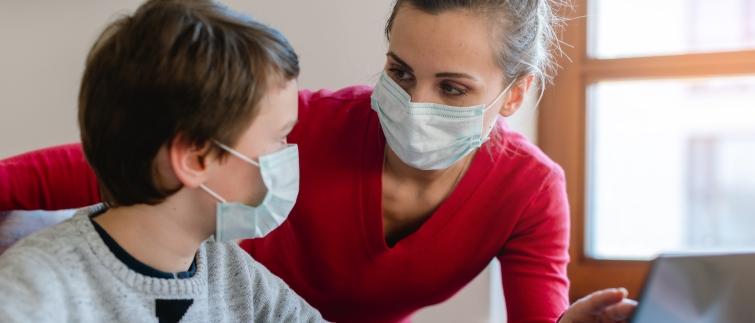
<point x="237" y="180"/>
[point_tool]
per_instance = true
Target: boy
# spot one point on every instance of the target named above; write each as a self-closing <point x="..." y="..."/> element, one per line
<point x="184" y="110"/>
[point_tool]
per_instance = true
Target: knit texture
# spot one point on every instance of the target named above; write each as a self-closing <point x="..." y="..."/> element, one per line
<point x="67" y="273"/>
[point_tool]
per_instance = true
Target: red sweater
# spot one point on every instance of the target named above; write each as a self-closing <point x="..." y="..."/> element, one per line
<point x="511" y="204"/>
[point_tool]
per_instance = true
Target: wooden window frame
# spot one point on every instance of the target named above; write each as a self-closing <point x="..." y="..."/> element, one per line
<point x="562" y="133"/>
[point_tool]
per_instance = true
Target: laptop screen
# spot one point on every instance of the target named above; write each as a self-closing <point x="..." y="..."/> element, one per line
<point x="699" y="288"/>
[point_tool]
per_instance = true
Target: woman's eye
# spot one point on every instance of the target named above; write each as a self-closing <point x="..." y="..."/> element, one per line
<point x="451" y="90"/>
<point x="401" y="75"/>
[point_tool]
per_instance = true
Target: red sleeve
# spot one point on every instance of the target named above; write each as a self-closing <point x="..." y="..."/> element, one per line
<point x="50" y="179"/>
<point x="534" y="260"/>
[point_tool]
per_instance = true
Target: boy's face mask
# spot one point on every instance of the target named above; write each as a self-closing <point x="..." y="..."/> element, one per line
<point x="280" y="174"/>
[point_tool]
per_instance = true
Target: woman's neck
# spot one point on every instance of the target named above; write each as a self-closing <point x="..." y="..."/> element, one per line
<point x="396" y="168"/>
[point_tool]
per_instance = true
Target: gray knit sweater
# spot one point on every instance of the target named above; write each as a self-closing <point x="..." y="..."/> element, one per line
<point x="67" y="273"/>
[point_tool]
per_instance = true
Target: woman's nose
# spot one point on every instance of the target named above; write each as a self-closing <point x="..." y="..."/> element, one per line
<point x="422" y="93"/>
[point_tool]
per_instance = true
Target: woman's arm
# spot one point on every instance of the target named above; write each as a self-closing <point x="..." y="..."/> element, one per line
<point x="533" y="266"/>
<point x="533" y="261"/>
<point x="52" y="178"/>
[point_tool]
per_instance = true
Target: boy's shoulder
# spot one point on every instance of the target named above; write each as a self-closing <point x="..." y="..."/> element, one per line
<point x="58" y="235"/>
<point x="227" y="262"/>
<point x="38" y="267"/>
<point x="254" y="286"/>
<point x="225" y="256"/>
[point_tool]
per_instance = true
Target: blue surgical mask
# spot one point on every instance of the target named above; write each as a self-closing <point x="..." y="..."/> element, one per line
<point x="280" y="174"/>
<point x="428" y="136"/>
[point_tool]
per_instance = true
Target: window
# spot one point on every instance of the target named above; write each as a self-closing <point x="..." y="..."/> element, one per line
<point x="653" y="120"/>
<point x="670" y="167"/>
<point x="650" y="27"/>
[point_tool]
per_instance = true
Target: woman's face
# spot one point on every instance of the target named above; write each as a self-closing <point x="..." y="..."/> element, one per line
<point x="446" y="58"/>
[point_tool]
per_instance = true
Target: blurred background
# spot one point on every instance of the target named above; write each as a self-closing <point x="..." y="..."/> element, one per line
<point x="653" y="119"/>
<point x="652" y="116"/>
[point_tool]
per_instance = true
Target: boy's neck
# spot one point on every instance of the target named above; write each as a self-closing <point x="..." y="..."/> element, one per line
<point x="165" y="236"/>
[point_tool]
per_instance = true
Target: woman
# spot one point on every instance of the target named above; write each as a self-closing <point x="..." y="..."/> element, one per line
<point x="410" y="190"/>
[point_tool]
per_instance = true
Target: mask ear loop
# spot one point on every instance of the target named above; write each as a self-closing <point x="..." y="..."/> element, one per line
<point x="500" y="95"/>
<point x="542" y="81"/>
<point x="213" y="194"/>
<point x="236" y="153"/>
<point x="232" y="152"/>
<point x="539" y="98"/>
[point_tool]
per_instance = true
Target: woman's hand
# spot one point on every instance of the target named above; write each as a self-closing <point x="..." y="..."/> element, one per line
<point x="608" y="305"/>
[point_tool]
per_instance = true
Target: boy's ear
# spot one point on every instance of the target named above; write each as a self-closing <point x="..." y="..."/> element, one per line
<point x="188" y="161"/>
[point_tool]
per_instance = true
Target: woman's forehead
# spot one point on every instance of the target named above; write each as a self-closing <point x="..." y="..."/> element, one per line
<point x="451" y="41"/>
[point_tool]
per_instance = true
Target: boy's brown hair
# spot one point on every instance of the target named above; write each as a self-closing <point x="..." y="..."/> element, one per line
<point x="175" y="67"/>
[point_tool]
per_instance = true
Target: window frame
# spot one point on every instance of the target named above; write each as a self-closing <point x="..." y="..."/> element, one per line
<point x="562" y="132"/>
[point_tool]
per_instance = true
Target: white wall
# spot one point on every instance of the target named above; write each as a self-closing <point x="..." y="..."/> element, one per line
<point x="43" y="45"/>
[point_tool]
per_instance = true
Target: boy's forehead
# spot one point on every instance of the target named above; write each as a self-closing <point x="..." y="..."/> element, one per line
<point x="280" y="102"/>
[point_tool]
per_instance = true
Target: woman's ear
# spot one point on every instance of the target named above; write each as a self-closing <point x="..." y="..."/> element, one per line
<point x="516" y="96"/>
<point x="188" y="161"/>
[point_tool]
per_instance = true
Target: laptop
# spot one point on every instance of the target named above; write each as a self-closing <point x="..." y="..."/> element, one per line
<point x="704" y="288"/>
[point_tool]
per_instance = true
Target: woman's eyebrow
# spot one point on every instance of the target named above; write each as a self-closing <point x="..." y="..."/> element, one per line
<point x="438" y="75"/>
<point x="456" y="75"/>
<point x="400" y="61"/>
